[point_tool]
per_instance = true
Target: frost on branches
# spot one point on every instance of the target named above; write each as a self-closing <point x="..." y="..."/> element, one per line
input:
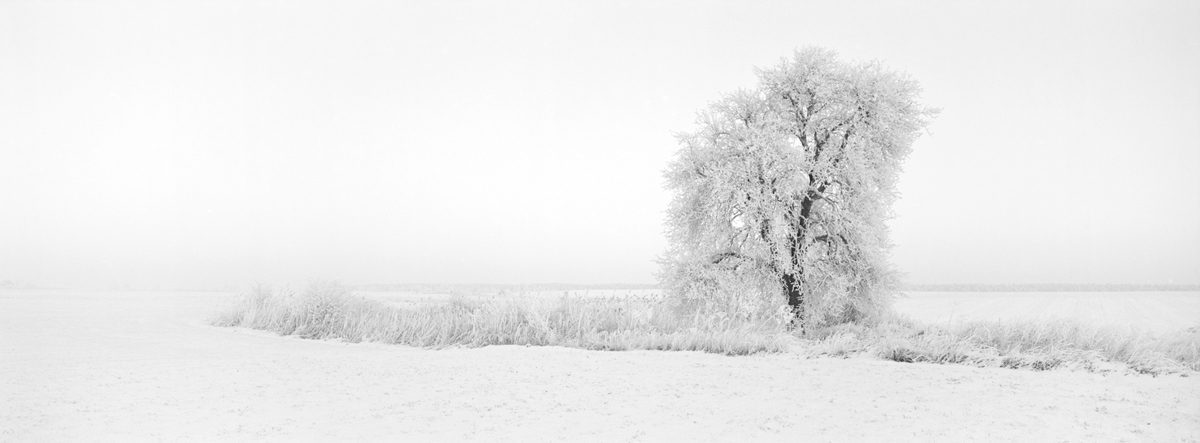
<point x="781" y="193"/>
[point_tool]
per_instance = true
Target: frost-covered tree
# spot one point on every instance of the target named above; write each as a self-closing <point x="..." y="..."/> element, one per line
<point x="782" y="191"/>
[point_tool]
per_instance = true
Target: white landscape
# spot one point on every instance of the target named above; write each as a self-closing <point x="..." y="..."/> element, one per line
<point x="600" y="221"/>
<point x="147" y="365"/>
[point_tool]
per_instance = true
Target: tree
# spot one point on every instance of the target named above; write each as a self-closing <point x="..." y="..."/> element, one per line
<point x="782" y="191"/>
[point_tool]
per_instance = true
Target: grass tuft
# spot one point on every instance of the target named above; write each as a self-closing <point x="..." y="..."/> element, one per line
<point x="1018" y="345"/>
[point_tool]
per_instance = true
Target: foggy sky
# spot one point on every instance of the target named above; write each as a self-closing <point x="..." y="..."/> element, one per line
<point x="206" y="144"/>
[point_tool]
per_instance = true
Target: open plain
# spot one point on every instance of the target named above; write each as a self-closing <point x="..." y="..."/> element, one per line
<point x="122" y="366"/>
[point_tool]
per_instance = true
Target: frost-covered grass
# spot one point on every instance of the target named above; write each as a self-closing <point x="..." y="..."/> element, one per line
<point x="330" y="311"/>
<point x="1037" y="345"/>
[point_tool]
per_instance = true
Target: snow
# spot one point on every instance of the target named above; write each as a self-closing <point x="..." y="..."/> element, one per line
<point x="138" y="366"/>
<point x="413" y="298"/>
<point x="1155" y="312"/>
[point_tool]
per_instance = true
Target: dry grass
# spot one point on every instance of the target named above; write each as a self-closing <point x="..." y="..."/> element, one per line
<point x="330" y="311"/>
<point x="1031" y="345"/>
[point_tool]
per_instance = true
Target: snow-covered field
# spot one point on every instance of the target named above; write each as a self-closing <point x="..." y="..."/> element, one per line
<point x="413" y="298"/>
<point x="1157" y="312"/>
<point x="121" y="366"/>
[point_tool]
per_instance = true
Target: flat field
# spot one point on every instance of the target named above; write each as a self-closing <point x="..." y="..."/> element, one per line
<point x="135" y="366"/>
<point x="1156" y="312"/>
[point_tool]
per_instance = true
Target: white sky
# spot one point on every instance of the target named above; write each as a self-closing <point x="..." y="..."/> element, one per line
<point x="213" y="143"/>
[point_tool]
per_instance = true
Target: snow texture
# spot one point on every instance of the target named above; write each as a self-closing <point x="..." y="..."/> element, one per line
<point x="146" y="366"/>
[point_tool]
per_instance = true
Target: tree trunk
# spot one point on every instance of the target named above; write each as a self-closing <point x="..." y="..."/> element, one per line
<point x="791" y="280"/>
<point x="791" y="285"/>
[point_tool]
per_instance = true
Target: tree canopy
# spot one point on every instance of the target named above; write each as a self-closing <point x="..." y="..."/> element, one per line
<point x="782" y="191"/>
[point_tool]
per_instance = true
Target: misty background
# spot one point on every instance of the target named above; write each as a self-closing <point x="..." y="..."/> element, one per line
<point x="202" y="145"/>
